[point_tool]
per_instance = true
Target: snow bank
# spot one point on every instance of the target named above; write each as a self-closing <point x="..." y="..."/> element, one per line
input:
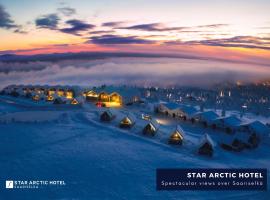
<point x="32" y="116"/>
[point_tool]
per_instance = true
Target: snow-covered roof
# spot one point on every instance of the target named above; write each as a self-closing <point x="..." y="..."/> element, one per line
<point x="125" y="92"/>
<point x="231" y="121"/>
<point x="109" y="112"/>
<point x="171" y="105"/>
<point x="154" y="123"/>
<point x="80" y="99"/>
<point x="106" y="89"/>
<point x="206" y="139"/>
<point x="179" y="129"/>
<point x="258" y="127"/>
<point x="208" y="115"/>
<point x="190" y="110"/>
<point x="131" y="117"/>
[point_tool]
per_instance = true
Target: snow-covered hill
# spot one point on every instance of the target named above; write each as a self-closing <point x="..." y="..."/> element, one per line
<point x="100" y="161"/>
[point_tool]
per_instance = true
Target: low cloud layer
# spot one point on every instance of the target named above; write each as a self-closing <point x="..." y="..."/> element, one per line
<point x="131" y="71"/>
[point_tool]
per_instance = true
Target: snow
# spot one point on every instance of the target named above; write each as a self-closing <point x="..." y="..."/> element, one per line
<point x="206" y="139"/>
<point x="208" y="116"/>
<point x="101" y="161"/>
<point x="230" y="121"/>
<point x="180" y="130"/>
<point x="31" y="116"/>
<point x="171" y="105"/>
<point x="189" y="110"/>
<point x="259" y="128"/>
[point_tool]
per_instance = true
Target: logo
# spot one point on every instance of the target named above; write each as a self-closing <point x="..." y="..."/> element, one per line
<point x="9" y="184"/>
<point x="33" y="184"/>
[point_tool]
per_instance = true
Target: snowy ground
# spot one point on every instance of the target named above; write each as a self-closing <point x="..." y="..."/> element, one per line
<point x="101" y="161"/>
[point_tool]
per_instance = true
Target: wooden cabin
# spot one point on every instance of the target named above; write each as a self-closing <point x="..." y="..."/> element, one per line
<point x="91" y="95"/>
<point x="50" y="98"/>
<point x="206" y="146"/>
<point x="115" y="99"/>
<point x="36" y="97"/>
<point x="230" y="124"/>
<point x="74" y="101"/>
<point x="104" y="97"/>
<point x="177" y="136"/>
<point x="42" y="90"/>
<point x="61" y="92"/>
<point x="127" y="122"/>
<point x="231" y="143"/>
<point x="37" y="90"/>
<point x="177" y="110"/>
<point x="107" y="116"/>
<point x="51" y="91"/>
<point x="69" y="94"/>
<point x="258" y="128"/>
<point x="206" y="118"/>
<point x="249" y="140"/>
<point x="151" y="128"/>
<point x="168" y="108"/>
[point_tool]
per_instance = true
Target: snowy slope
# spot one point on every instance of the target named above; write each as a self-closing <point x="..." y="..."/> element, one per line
<point x="101" y="161"/>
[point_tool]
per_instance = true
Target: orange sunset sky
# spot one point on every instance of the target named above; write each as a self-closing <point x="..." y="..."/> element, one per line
<point x="229" y="30"/>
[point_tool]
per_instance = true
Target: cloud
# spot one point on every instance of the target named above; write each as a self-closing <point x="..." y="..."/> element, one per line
<point x="76" y="26"/>
<point x="114" y="24"/>
<point x="6" y="67"/>
<point x="67" y="11"/>
<point x="153" y="27"/>
<point x="116" y="39"/>
<point x="238" y="41"/>
<point x="249" y="42"/>
<point x="130" y="71"/>
<point x="101" y="32"/>
<point x="5" y="19"/>
<point x="159" y="27"/>
<point x="212" y="26"/>
<point x="48" y="21"/>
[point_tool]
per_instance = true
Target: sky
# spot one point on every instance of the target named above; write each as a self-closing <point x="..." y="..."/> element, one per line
<point x="233" y="30"/>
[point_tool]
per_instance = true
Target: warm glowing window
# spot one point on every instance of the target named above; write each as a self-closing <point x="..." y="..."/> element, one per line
<point x="126" y="120"/>
<point x="91" y="94"/>
<point x="115" y="98"/>
<point x="104" y="97"/>
<point x="36" y="97"/>
<point x="49" y="97"/>
<point x="69" y="94"/>
<point x="74" y="101"/>
<point x="176" y="136"/>
<point x="60" y="93"/>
